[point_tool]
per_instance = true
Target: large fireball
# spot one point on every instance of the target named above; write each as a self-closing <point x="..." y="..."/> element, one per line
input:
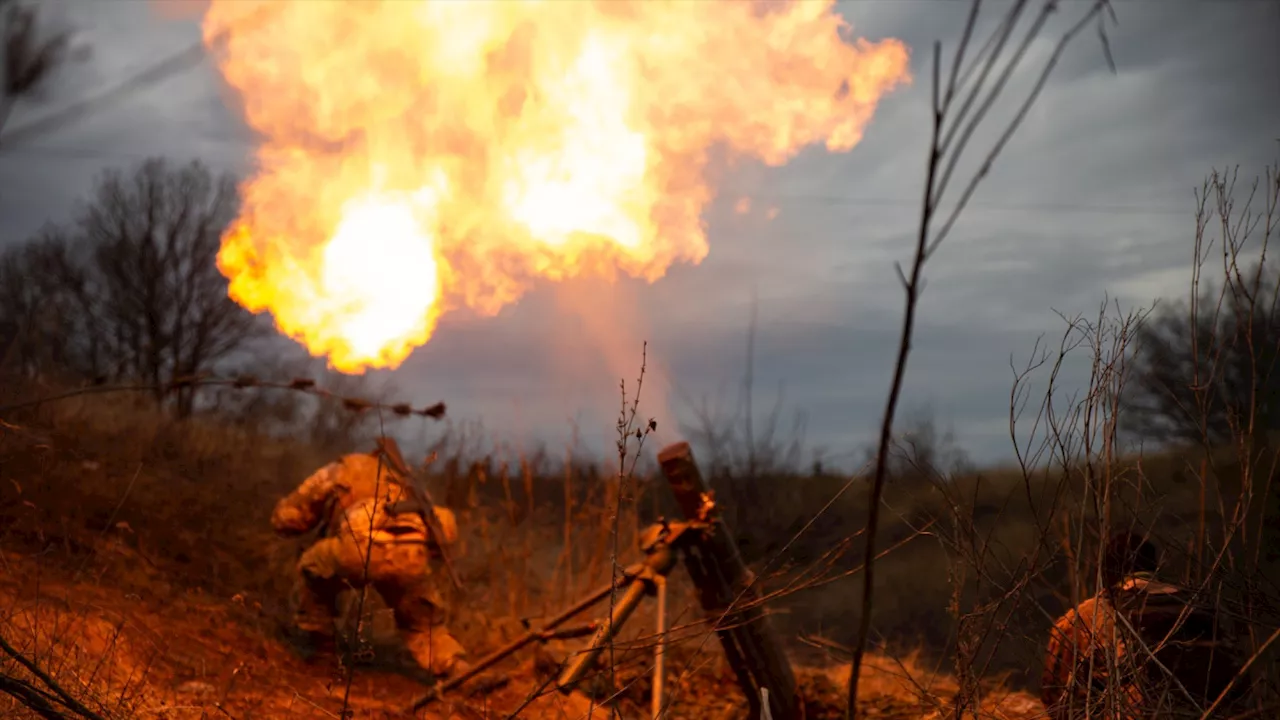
<point x="420" y="156"/>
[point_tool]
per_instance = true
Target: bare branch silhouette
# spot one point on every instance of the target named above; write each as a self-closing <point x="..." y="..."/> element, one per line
<point x="945" y="151"/>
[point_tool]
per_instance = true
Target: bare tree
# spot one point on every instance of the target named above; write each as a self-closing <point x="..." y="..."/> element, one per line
<point x="920" y="452"/>
<point x="46" y="309"/>
<point x="131" y="290"/>
<point x="1166" y="398"/>
<point x="1205" y="368"/>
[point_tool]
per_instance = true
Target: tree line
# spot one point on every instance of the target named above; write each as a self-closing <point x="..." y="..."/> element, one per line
<point x="127" y="290"/>
<point x="1204" y="368"/>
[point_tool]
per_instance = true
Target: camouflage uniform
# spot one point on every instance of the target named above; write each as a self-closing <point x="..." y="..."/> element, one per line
<point x="1099" y="660"/>
<point x="364" y="544"/>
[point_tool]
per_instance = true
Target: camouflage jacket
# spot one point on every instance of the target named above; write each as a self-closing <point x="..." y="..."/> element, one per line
<point x="1085" y="659"/>
<point x="1106" y="645"/>
<point x="350" y="496"/>
<point x="1183" y="641"/>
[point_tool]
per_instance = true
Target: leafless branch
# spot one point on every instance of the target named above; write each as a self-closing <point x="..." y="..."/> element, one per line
<point x="942" y="161"/>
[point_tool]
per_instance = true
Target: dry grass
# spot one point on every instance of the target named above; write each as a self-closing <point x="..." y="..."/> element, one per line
<point x="144" y="545"/>
<point x="112" y="512"/>
<point x="129" y="515"/>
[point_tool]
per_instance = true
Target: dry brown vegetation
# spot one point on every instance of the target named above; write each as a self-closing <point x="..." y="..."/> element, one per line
<point x="140" y="576"/>
<point x="140" y="570"/>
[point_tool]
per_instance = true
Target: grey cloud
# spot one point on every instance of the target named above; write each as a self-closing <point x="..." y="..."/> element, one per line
<point x="1195" y="89"/>
<point x="838" y="374"/>
<point x="181" y="117"/>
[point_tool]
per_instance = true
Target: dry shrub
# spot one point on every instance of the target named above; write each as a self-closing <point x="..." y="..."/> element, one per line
<point x="192" y="498"/>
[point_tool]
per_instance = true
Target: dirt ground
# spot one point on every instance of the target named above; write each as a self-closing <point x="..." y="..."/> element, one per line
<point x="195" y="656"/>
<point x="134" y="580"/>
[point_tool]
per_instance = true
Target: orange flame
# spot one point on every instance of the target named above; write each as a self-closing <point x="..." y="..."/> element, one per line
<point x="421" y="156"/>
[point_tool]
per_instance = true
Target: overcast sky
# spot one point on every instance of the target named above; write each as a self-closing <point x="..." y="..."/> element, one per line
<point x="1093" y="197"/>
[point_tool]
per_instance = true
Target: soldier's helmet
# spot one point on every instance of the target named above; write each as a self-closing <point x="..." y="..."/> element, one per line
<point x="1127" y="553"/>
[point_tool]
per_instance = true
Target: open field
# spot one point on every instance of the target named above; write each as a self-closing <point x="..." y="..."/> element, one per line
<point x="164" y="567"/>
<point x="139" y="563"/>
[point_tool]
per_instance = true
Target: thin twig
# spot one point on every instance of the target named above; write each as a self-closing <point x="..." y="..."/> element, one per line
<point x="886" y="427"/>
<point x="942" y="161"/>
<point x="63" y="696"/>
<point x="302" y="385"/>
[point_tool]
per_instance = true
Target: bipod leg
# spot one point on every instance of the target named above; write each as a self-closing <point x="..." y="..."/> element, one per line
<point x="543" y="633"/>
<point x="622" y="610"/>
<point x="659" y="649"/>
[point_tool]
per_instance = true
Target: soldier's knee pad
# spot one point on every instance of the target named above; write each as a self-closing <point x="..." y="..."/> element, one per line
<point x="319" y="562"/>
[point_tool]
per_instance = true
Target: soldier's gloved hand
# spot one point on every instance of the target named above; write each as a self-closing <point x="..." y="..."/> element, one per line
<point x="448" y="523"/>
<point x="288" y="521"/>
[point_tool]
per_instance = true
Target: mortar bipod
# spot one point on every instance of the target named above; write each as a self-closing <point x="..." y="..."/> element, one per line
<point x="659" y="543"/>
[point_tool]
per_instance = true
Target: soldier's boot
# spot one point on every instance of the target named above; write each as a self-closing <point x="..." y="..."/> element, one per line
<point x="436" y="651"/>
<point x="314" y="635"/>
<point x="313" y="645"/>
<point x="317" y="603"/>
<point x="481" y="683"/>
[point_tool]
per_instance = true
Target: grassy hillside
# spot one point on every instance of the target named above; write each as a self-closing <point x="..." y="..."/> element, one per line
<point x="107" y="490"/>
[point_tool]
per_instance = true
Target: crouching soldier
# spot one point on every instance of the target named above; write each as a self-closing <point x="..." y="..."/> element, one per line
<point x="369" y="539"/>
<point x="1140" y="648"/>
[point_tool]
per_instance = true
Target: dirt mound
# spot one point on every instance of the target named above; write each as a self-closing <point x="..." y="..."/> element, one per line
<point x="193" y="655"/>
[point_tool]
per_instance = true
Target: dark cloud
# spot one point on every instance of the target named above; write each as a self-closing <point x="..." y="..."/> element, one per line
<point x="1093" y="197"/>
